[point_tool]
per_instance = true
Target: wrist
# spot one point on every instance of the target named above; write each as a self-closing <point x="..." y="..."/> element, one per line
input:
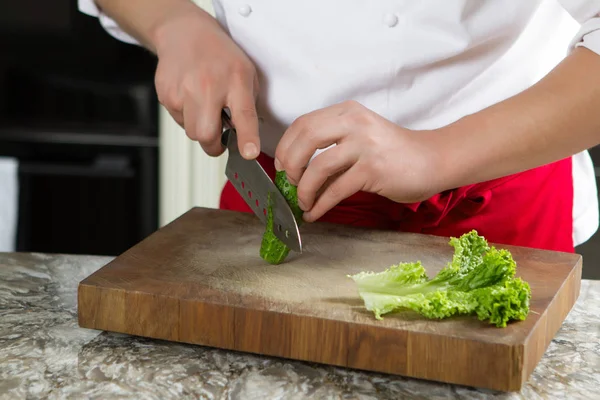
<point x="181" y="16"/>
<point x="452" y="166"/>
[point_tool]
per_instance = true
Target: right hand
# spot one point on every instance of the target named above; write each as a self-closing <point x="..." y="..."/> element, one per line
<point x="201" y="71"/>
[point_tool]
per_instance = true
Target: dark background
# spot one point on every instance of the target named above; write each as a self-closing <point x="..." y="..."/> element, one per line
<point x="78" y="109"/>
<point x="591" y="249"/>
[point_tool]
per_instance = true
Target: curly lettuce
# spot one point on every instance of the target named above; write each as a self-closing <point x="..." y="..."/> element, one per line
<point x="480" y="280"/>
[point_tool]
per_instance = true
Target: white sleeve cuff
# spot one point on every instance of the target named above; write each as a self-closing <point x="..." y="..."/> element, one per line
<point x="588" y="36"/>
<point x="90" y="8"/>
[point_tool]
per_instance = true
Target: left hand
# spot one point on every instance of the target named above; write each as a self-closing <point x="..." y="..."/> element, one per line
<point x="371" y="154"/>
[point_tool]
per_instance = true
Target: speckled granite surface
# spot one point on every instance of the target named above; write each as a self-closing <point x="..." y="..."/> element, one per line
<point x="44" y="354"/>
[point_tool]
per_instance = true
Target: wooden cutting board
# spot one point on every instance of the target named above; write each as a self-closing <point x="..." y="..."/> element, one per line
<point x="200" y="280"/>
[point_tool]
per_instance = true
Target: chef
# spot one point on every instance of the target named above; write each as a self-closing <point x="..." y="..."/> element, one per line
<point x="425" y="116"/>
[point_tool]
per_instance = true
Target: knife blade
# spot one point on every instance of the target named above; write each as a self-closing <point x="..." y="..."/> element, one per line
<point x="254" y="185"/>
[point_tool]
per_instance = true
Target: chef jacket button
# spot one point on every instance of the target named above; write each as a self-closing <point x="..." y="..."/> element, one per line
<point x="245" y="10"/>
<point x="390" y="20"/>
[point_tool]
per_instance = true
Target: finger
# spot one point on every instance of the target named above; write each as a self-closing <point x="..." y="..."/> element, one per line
<point x="245" y="120"/>
<point x="300" y="125"/>
<point x="190" y="119"/>
<point x="344" y="186"/>
<point x="325" y="132"/>
<point x="172" y="103"/>
<point x="208" y="128"/>
<point x="324" y="166"/>
<point x="177" y="116"/>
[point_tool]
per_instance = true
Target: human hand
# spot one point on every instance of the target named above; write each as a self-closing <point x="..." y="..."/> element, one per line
<point x="371" y="154"/>
<point x="201" y="71"/>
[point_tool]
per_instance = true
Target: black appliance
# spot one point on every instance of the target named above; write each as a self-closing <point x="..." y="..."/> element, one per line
<point x="78" y="109"/>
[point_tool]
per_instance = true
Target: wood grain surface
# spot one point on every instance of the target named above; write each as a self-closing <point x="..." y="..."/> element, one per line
<point x="200" y="280"/>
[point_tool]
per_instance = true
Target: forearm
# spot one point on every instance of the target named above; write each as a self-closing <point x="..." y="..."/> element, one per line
<point x="143" y="19"/>
<point x="552" y="120"/>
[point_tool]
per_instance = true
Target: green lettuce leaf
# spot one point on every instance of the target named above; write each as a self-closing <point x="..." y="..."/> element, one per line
<point x="479" y="280"/>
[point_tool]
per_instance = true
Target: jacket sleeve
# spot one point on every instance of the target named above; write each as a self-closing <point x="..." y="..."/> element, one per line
<point x="90" y="8"/>
<point x="587" y="14"/>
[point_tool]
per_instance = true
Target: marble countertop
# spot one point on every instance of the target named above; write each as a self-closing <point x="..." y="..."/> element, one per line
<point x="44" y="354"/>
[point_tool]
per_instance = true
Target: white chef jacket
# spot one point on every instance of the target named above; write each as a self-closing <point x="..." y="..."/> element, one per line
<point x="421" y="64"/>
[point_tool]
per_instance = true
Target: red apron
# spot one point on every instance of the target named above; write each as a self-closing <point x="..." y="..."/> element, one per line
<point x="531" y="209"/>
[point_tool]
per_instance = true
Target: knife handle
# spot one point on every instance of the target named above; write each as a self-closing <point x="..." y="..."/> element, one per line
<point x="227" y="126"/>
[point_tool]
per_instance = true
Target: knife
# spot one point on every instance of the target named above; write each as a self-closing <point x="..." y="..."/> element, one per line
<point x="254" y="185"/>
